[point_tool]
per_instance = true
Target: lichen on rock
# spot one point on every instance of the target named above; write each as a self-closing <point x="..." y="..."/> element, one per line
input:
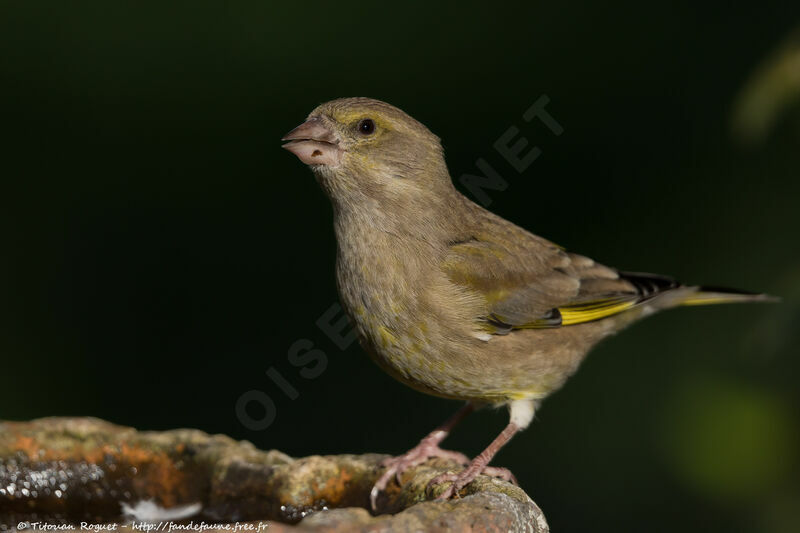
<point x="69" y="470"/>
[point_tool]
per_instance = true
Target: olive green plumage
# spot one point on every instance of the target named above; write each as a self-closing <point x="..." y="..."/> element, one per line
<point x="446" y="296"/>
<point x="450" y="298"/>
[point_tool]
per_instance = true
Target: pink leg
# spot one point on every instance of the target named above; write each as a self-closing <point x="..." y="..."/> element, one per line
<point x="426" y="449"/>
<point x="478" y="465"/>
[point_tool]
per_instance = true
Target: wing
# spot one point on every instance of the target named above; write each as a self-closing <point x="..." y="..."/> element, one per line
<point x="529" y="282"/>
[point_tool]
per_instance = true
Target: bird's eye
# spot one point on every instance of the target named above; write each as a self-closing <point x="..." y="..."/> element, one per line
<point x="366" y="127"/>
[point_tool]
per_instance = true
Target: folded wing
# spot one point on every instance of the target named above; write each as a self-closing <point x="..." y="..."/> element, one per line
<point x="528" y="282"/>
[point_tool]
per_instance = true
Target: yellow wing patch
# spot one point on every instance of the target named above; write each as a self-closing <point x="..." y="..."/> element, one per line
<point x="591" y="311"/>
<point x="570" y="315"/>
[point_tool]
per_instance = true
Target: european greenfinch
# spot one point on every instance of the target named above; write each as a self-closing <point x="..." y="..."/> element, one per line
<point x="450" y="298"/>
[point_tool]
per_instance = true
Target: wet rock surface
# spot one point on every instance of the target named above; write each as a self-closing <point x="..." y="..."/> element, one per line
<point x="73" y="470"/>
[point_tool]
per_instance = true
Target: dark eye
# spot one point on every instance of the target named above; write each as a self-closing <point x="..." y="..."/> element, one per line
<point x="366" y="127"/>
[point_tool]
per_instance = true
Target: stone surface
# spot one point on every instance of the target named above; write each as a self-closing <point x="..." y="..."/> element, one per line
<point x="69" y="470"/>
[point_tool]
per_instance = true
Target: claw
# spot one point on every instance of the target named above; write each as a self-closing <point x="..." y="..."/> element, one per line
<point x="502" y="473"/>
<point x="397" y="466"/>
<point x="444" y="478"/>
<point x="467" y="476"/>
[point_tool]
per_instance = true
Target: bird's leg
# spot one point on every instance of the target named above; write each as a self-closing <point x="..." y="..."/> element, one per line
<point x="426" y="449"/>
<point x="521" y="415"/>
<point x="478" y="465"/>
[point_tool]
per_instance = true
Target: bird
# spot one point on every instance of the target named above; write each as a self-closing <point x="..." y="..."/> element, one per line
<point x="450" y="298"/>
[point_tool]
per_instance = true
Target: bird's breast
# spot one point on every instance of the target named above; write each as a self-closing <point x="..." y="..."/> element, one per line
<point x="385" y="286"/>
<point x="414" y="322"/>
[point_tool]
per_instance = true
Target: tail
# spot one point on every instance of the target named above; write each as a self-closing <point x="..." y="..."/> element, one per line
<point x="720" y="295"/>
<point x="652" y="285"/>
<point x="650" y="292"/>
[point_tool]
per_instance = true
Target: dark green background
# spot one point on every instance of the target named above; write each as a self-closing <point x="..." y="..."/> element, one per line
<point x="161" y="252"/>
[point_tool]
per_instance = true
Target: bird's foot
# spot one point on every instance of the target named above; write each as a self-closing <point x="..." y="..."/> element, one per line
<point x="397" y="466"/>
<point x="500" y="473"/>
<point x="467" y="476"/>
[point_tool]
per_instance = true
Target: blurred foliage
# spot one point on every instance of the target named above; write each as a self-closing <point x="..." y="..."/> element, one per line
<point x="729" y="440"/>
<point x="161" y="252"/>
<point x="771" y="93"/>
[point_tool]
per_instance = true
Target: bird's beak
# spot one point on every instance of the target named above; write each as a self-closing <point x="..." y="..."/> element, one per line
<point x="314" y="143"/>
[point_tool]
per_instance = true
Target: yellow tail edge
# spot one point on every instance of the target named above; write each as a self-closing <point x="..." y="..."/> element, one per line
<point x="716" y="295"/>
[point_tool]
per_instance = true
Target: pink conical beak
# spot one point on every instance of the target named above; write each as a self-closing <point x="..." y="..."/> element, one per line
<point x="314" y="143"/>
